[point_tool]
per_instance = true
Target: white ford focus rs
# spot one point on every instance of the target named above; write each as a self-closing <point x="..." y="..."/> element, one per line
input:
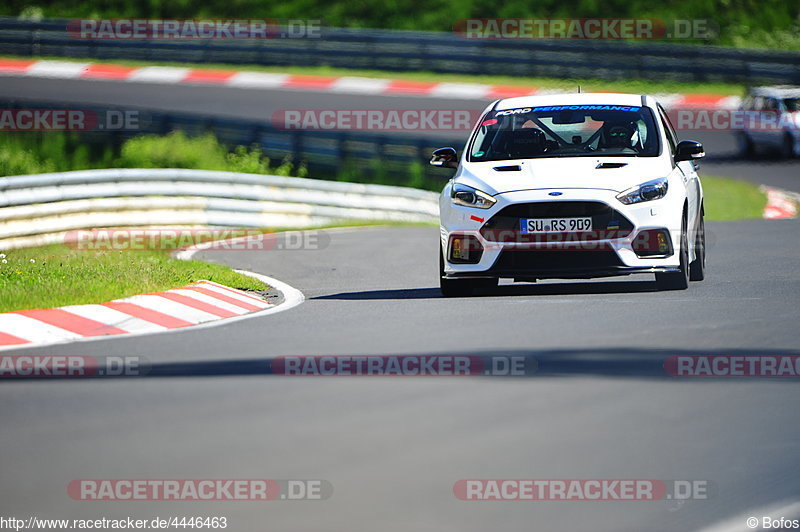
<point x="571" y="187"/>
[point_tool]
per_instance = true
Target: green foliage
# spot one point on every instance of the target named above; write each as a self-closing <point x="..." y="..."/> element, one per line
<point x="417" y="178"/>
<point x="175" y="150"/>
<point x="34" y="153"/>
<point x="22" y="161"/>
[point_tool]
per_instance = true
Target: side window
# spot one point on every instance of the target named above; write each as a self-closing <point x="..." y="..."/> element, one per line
<point x="758" y="103"/>
<point x="771" y="104"/>
<point x="671" y="138"/>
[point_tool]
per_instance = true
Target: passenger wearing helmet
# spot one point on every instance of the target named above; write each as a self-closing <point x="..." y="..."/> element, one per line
<point x="618" y="135"/>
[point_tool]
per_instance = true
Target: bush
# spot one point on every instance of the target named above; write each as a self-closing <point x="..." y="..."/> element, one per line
<point x="174" y="150"/>
<point x="34" y="153"/>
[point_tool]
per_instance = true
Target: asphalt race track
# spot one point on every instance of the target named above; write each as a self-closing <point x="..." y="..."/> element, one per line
<point x="598" y="405"/>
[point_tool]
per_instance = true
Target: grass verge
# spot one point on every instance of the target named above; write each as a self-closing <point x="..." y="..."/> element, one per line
<point x="57" y="275"/>
<point x="587" y="85"/>
<point x="730" y="199"/>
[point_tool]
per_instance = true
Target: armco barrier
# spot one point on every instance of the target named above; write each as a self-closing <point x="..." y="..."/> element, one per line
<point x="40" y="209"/>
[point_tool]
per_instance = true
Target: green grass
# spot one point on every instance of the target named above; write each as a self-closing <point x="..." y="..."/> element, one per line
<point x="730" y="199"/>
<point x="57" y="275"/>
<point x="587" y="85"/>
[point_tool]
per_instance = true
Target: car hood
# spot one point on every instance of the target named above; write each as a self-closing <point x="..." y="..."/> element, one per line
<point x="606" y="173"/>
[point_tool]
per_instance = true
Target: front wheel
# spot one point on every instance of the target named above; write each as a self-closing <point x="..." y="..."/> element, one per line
<point x="787" y="147"/>
<point x="456" y="287"/>
<point x="697" y="269"/>
<point x="746" y="148"/>
<point x="677" y="280"/>
<point x="462" y="287"/>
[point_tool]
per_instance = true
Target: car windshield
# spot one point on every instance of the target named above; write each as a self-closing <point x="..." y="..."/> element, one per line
<point x="565" y="131"/>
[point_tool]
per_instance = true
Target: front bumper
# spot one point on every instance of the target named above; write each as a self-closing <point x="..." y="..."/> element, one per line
<point x="607" y="251"/>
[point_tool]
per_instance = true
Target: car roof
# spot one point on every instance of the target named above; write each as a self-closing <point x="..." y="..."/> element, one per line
<point x="585" y="98"/>
<point x="776" y="91"/>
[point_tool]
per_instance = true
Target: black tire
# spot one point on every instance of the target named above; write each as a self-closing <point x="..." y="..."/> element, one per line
<point x="462" y="287"/>
<point x="456" y="287"/>
<point x="487" y="283"/>
<point x="787" y="147"/>
<point x="453" y="287"/>
<point x="697" y="269"/>
<point x="746" y="148"/>
<point x="677" y="280"/>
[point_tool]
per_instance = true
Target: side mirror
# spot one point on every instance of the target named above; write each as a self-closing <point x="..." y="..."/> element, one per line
<point x="445" y="157"/>
<point x="689" y="150"/>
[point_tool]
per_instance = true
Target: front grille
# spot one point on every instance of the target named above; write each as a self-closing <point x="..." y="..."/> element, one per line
<point x="607" y="223"/>
<point x="519" y="262"/>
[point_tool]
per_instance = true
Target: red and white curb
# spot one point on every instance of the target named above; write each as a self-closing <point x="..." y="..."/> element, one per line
<point x="189" y="305"/>
<point x="200" y="304"/>
<point x="336" y="84"/>
<point x="780" y="203"/>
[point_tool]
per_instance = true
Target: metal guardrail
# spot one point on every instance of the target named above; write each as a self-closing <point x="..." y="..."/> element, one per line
<point x="40" y="209"/>
<point x="426" y="51"/>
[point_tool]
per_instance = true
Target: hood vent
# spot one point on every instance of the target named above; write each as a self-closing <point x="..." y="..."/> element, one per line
<point x="511" y="168"/>
<point x="610" y="165"/>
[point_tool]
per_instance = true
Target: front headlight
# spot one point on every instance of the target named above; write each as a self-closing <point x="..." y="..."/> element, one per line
<point x="470" y="197"/>
<point x="652" y="190"/>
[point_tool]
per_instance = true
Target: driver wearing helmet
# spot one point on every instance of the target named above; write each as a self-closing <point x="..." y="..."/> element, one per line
<point x="525" y="143"/>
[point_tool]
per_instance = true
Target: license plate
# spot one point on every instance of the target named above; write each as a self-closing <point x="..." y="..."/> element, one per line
<point x="554" y="225"/>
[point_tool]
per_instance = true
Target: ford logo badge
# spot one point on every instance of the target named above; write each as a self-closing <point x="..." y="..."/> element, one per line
<point x="555" y="193"/>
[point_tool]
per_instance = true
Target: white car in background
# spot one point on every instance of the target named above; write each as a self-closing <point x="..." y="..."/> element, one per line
<point x="571" y="186"/>
<point x="776" y="124"/>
